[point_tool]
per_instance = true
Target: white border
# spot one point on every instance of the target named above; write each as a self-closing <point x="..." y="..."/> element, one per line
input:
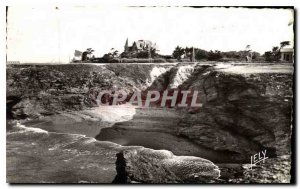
<point x="4" y="3"/>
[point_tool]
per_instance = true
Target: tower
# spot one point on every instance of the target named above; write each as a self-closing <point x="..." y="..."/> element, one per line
<point x="126" y="46"/>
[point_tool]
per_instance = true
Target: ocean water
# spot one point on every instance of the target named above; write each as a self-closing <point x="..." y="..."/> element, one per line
<point x="38" y="156"/>
<point x="62" y="148"/>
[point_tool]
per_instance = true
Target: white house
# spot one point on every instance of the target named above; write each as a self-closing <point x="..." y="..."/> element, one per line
<point x="287" y="54"/>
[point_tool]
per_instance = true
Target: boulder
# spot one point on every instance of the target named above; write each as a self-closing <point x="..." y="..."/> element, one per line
<point x="161" y="166"/>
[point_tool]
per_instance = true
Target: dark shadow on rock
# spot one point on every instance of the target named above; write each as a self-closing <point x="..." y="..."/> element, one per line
<point x="11" y="101"/>
<point x="121" y="177"/>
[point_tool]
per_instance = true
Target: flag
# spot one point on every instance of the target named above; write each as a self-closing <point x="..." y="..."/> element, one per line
<point x="77" y="53"/>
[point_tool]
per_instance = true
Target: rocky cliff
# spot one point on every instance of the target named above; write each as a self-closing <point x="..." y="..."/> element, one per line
<point x="37" y="90"/>
<point x="241" y="114"/>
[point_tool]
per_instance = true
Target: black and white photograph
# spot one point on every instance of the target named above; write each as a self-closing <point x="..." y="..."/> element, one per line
<point x="150" y="95"/>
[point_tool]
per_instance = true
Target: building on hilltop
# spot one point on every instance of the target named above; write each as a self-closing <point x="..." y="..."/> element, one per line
<point x="140" y="49"/>
<point x="138" y="46"/>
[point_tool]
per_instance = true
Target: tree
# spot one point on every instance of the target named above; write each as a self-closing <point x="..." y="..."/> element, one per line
<point x="153" y="52"/>
<point x="268" y="56"/>
<point x="273" y="55"/>
<point x="178" y="52"/>
<point x="276" y="53"/>
<point x="87" y="54"/>
<point x="114" y="54"/>
<point x="284" y="43"/>
<point x="274" y="49"/>
<point x="110" y="57"/>
<point x="255" y="55"/>
<point x="143" y="54"/>
<point x="188" y="51"/>
<point x="214" y="55"/>
<point x="84" y="56"/>
<point x="125" y="55"/>
<point x="248" y="47"/>
<point x="249" y="54"/>
<point x="90" y="50"/>
<point x="201" y="54"/>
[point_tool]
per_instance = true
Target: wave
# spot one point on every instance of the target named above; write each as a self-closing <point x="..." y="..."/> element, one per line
<point x="155" y="73"/>
<point x="19" y="128"/>
<point x="181" y="75"/>
<point x="53" y="140"/>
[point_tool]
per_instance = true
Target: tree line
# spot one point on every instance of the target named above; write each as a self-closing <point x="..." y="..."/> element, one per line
<point x="181" y="53"/>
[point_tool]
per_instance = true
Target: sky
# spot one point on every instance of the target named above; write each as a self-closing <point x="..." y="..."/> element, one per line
<point x="51" y="34"/>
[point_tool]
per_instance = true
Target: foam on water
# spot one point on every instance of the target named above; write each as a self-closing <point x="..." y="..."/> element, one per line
<point x="155" y="73"/>
<point x="115" y="113"/>
<point x="22" y="128"/>
<point x="182" y="74"/>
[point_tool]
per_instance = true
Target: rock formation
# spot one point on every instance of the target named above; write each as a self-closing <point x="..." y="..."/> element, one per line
<point x="161" y="166"/>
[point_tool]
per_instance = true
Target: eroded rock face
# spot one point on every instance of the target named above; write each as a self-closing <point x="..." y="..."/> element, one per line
<point x="241" y="115"/>
<point x="161" y="166"/>
<point x="47" y="89"/>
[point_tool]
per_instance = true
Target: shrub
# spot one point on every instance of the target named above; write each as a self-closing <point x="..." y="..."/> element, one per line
<point x="143" y="54"/>
<point x="172" y="60"/>
<point x="135" y="60"/>
<point x="225" y="59"/>
<point x="214" y="55"/>
<point x="159" y="60"/>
